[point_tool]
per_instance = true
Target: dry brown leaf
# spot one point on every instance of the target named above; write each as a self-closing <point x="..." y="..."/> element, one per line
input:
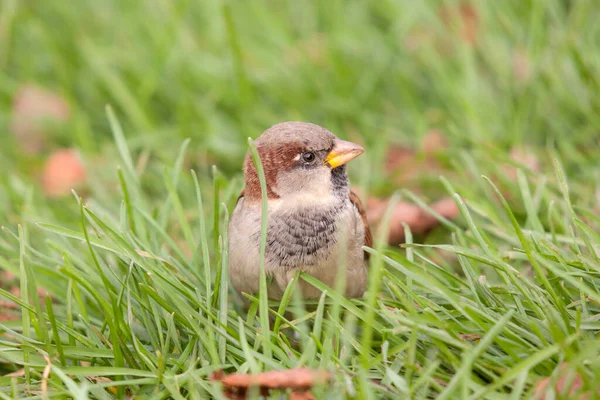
<point x="299" y="380"/>
<point x="433" y="142"/>
<point x="6" y="276"/>
<point x="302" y="395"/>
<point x="525" y="158"/>
<point x="464" y="19"/>
<point x="469" y="336"/>
<point x="312" y="49"/>
<point x="16" y="291"/>
<point x="19" y="373"/>
<point x="521" y="66"/>
<point x="567" y="376"/>
<point x="33" y="107"/>
<point x="6" y="316"/>
<point x="461" y="18"/>
<point x="405" y="164"/>
<point x="418" y="220"/>
<point x="63" y="171"/>
<point x="470" y="23"/>
<point x="419" y="37"/>
<point x="8" y="305"/>
<point x="398" y="157"/>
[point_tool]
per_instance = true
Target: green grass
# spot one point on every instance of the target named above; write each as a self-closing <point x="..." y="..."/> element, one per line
<point x="484" y="307"/>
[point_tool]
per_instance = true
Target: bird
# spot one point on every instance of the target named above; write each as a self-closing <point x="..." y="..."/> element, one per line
<point x="313" y="218"/>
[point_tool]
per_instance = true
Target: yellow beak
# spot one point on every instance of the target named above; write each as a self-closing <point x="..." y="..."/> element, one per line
<point x="342" y="152"/>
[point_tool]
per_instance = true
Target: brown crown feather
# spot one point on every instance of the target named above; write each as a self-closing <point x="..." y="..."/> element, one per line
<point x="274" y="159"/>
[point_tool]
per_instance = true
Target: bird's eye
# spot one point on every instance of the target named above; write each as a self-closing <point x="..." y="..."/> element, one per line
<point x="308" y="157"/>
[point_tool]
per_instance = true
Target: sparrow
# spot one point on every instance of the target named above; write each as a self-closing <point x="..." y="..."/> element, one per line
<point x="313" y="217"/>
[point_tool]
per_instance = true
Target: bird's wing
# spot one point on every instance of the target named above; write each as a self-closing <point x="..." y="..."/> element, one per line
<point x="363" y="215"/>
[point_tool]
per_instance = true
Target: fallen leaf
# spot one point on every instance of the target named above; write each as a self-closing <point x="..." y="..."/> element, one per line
<point x="463" y="19"/>
<point x="299" y="380"/>
<point x="7" y="308"/>
<point x="8" y="305"/>
<point x="470" y="20"/>
<point x="400" y="162"/>
<point x="16" y="291"/>
<point x="566" y="376"/>
<point x="469" y="336"/>
<point x="418" y="220"/>
<point x="33" y="109"/>
<point x="18" y="373"/>
<point x="521" y="66"/>
<point x="404" y="164"/>
<point x="523" y="157"/>
<point x="312" y="49"/>
<point x="419" y="37"/>
<point x="433" y="142"/>
<point x="305" y="395"/>
<point x="6" y="276"/>
<point x="6" y="316"/>
<point x="63" y="171"/>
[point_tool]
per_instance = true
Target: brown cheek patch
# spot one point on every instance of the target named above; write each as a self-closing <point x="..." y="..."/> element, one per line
<point x="274" y="159"/>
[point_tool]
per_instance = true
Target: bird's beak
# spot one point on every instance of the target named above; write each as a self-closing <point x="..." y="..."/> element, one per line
<point x="342" y="152"/>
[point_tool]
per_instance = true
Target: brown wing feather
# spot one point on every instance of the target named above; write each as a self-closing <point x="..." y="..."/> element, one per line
<point x="363" y="215"/>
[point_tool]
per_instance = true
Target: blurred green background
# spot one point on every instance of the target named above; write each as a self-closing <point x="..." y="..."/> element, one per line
<point x="489" y="77"/>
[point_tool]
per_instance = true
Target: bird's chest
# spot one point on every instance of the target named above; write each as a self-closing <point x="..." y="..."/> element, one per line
<point x="305" y="237"/>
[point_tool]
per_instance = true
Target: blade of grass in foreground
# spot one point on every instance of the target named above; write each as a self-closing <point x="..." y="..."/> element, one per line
<point x="128" y="205"/>
<point x="25" y="314"/>
<point x="463" y="374"/>
<point x="111" y="315"/>
<point x="204" y="245"/>
<point x="524" y="365"/>
<point x="285" y="301"/>
<point x="183" y="221"/>
<point x="263" y="296"/>
<point x="216" y="201"/>
<point x="223" y="285"/>
<point x="121" y="143"/>
<point x="374" y="285"/>
<point x="529" y="251"/>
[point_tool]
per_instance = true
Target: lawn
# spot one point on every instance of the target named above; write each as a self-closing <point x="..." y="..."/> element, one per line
<point x="119" y="288"/>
